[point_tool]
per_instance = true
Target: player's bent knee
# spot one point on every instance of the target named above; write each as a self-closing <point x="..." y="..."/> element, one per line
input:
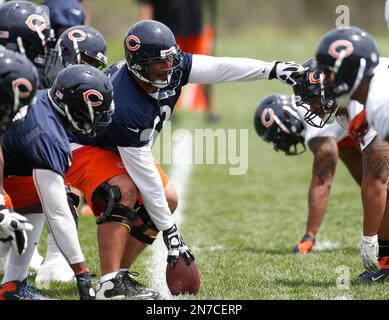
<point x="128" y="190"/>
<point x="143" y="228"/>
<point x="106" y="200"/>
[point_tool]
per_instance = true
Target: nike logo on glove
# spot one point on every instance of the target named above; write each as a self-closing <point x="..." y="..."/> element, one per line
<point x="133" y="130"/>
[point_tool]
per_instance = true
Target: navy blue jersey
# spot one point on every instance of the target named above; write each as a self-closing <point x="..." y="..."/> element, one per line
<point x="37" y="141"/>
<point x="137" y="115"/>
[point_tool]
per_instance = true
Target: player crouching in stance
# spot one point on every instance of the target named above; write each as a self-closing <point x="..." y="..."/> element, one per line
<point x="146" y="89"/>
<point x="279" y="121"/>
<point x="18" y="85"/>
<point x="349" y="60"/>
<point x="37" y="145"/>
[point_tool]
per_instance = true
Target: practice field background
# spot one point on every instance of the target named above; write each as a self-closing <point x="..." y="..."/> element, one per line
<point x="243" y="228"/>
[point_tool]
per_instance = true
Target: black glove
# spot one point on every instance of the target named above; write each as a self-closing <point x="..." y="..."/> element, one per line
<point x="176" y="246"/>
<point x="84" y="284"/>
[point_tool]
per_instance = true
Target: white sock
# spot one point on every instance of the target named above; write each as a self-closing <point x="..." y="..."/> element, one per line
<point x="108" y="276"/>
<point x="17" y="267"/>
<point x="124" y="269"/>
<point x="52" y="247"/>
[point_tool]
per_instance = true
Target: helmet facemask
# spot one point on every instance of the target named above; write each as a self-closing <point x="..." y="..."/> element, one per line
<point x="160" y="78"/>
<point x="84" y="122"/>
<point x="341" y="89"/>
<point x="320" y="108"/>
<point x="288" y="137"/>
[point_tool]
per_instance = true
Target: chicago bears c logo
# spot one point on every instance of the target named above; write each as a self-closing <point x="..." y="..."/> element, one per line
<point x="267" y="117"/>
<point x="314" y="77"/>
<point x="132" y="43"/>
<point x="36" y="22"/>
<point x="340" y="45"/>
<point x="77" y="35"/>
<point x="24" y="86"/>
<point x="94" y="97"/>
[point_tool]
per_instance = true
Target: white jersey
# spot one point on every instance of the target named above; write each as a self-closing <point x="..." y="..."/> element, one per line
<point x="377" y="103"/>
<point x="329" y="130"/>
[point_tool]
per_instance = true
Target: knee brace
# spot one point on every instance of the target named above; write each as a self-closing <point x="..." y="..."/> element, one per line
<point x="108" y="197"/>
<point x="73" y="201"/>
<point x="139" y="231"/>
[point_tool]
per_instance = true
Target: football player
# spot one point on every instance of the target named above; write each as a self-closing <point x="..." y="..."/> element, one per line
<point x="280" y="122"/>
<point x="146" y="89"/>
<point x="77" y="45"/>
<point x="349" y="60"/>
<point x="65" y="14"/>
<point x="25" y="28"/>
<point x="79" y="101"/>
<point x="18" y="85"/>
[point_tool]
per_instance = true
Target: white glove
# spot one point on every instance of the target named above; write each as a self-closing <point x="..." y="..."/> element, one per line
<point x="287" y="72"/>
<point x="13" y="229"/>
<point x="369" y="253"/>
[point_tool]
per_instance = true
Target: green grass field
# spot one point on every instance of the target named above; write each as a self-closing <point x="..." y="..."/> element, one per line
<point x="243" y="228"/>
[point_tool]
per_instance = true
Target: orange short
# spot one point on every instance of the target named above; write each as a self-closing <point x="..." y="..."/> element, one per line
<point x="198" y="44"/>
<point x="90" y="167"/>
<point x="22" y="191"/>
<point x="347" y="142"/>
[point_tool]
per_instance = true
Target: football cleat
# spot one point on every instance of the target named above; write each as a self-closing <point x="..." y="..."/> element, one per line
<point x="380" y="275"/>
<point x="112" y="289"/>
<point x="54" y="268"/>
<point x="304" y="246"/>
<point x="36" y="261"/>
<point x="84" y="284"/>
<point x="137" y="290"/>
<point x="20" y="290"/>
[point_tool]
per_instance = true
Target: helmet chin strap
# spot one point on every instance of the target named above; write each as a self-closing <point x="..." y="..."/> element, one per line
<point x="16" y="100"/>
<point x="21" y="46"/>
<point x="344" y="99"/>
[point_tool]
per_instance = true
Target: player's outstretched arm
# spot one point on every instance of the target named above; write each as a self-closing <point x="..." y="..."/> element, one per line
<point x="208" y="70"/>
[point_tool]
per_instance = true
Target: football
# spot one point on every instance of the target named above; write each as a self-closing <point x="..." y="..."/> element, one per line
<point x="183" y="278"/>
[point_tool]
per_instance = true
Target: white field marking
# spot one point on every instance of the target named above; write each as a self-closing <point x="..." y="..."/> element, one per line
<point x="326" y="245"/>
<point x="179" y="175"/>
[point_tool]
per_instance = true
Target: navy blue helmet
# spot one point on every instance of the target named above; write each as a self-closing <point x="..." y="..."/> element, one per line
<point x="310" y="94"/>
<point x="25" y="28"/>
<point x="346" y="55"/>
<point x="65" y="14"/>
<point x="278" y="122"/>
<point x="83" y="95"/>
<point x="18" y="84"/>
<point x="147" y="41"/>
<point x="82" y="44"/>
